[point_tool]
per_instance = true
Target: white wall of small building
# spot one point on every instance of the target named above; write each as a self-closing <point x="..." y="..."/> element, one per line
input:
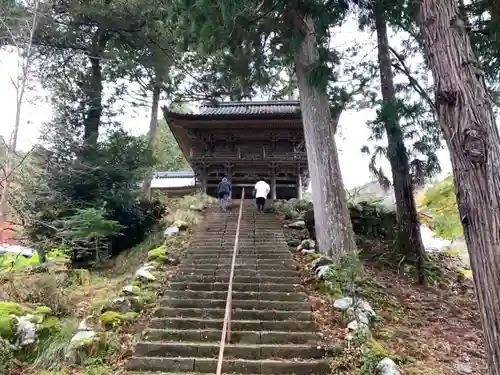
<point x="165" y="183"/>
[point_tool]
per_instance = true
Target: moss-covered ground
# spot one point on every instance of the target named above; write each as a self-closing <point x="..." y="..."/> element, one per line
<point x="60" y="297"/>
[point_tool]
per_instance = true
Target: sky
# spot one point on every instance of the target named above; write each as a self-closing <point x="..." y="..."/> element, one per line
<point x="353" y="134"/>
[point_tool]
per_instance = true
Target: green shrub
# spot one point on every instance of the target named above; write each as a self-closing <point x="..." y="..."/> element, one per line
<point x="105" y="183"/>
<point x="14" y="262"/>
<point x="88" y="232"/>
<point x="56" y="337"/>
<point x="8" y="359"/>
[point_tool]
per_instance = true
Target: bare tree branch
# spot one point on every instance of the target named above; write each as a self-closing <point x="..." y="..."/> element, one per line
<point x="403" y="68"/>
<point x="25" y="53"/>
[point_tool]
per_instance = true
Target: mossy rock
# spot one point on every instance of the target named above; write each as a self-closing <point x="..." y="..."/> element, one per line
<point x="158" y="255"/>
<point x="49" y="326"/>
<point x="43" y="310"/>
<point x="113" y="319"/>
<point x="293" y="242"/>
<point x="131" y="290"/>
<point x="137" y="283"/>
<point x="124" y="304"/>
<point x="8" y="322"/>
<point x="13" y="308"/>
<point x="376" y="348"/>
<point x="311" y="257"/>
<point x="8" y="327"/>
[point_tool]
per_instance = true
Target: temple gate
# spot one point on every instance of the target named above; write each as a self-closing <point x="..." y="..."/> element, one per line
<point x="245" y="141"/>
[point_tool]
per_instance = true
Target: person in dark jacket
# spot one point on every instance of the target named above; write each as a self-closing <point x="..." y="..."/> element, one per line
<point x="223" y="192"/>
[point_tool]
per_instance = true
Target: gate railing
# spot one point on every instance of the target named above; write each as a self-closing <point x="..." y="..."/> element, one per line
<point x="226" y="325"/>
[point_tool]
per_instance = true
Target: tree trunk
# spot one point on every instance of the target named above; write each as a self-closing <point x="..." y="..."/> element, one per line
<point x="466" y="118"/>
<point x="9" y="167"/>
<point x="94" y="90"/>
<point x="153" y="131"/>
<point x="331" y="215"/>
<point x="409" y="240"/>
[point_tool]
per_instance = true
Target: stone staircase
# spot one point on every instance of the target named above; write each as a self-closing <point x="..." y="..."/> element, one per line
<point x="272" y="327"/>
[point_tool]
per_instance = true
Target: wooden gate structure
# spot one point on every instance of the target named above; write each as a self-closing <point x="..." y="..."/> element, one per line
<point x="244" y="141"/>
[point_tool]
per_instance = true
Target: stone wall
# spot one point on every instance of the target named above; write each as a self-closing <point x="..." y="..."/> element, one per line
<point x="368" y="220"/>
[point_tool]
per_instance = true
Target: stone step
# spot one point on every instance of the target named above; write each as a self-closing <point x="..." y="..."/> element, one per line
<point x="237" y="304"/>
<point x="215" y="258"/>
<point x="238" y="279"/>
<point x="283" y="255"/>
<point x="241" y="366"/>
<point x="244" y="241"/>
<point x="222" y="295"/>
<point x="237" y="325"/>
<point x="251" y="262"/>
<point x="237" y="314"/>
<point x="241" y="351"/>
<point x="239" y="258"/>
<point x="237" y="287"/>
<point x="226" y="266"/>
<point x="245" y="337"/>
<point x="278" y="253"/>
<point x="270" y="248"/>
<point x="240" y="272"/>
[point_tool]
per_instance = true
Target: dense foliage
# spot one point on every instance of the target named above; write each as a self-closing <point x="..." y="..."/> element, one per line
<point x="441" y="202"/>
<point x="90" y="207"/>
<point x="167" y="155"/>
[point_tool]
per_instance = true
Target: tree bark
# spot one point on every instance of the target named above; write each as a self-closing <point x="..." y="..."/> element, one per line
<point x="331" y="215"/>
<point x="466" y="118"/>
<point x="153" y="131"/>
<point x="94" y="89"/>
<point x="409" y="239"/>
<point x="10" y="154"/>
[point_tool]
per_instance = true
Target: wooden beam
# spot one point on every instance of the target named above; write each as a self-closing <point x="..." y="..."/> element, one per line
<point x="253" y="184"/>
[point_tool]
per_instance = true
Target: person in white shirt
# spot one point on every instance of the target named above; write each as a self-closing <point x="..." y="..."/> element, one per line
<point x="261" y="190"/>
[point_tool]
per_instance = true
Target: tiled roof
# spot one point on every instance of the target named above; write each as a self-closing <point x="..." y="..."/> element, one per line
<point x="280" y="107"/>
<point x="213" y="110"/>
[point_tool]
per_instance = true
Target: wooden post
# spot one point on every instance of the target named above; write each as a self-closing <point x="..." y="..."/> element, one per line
<point x="204" y="180"/>
<point x="299" y="186"/>
<point x="273" y="185"/>
<point x="228" y="176"/>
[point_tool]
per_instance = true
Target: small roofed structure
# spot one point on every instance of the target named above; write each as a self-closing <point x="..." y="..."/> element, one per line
<point x="244" y="141"/>
<point x="174" y="183"/>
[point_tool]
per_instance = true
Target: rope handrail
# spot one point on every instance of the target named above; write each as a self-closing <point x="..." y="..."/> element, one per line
<point x="226" y="325"/>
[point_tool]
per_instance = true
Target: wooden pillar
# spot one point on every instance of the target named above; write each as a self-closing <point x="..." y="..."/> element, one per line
<point x="299" y="186"/>
<point x="204" y="180"/>
<point x="228" y="176"/>
<point x="273" y="184"/>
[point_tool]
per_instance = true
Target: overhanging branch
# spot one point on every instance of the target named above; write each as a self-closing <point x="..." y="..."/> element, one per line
<point x="403" y="68"/>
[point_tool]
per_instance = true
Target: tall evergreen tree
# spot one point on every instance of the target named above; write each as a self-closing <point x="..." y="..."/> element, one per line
<point x="465" y="113"/>
<point x="409" y="237"/>
<point x="254" y="38"/>
<point x="374" y="14"/>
